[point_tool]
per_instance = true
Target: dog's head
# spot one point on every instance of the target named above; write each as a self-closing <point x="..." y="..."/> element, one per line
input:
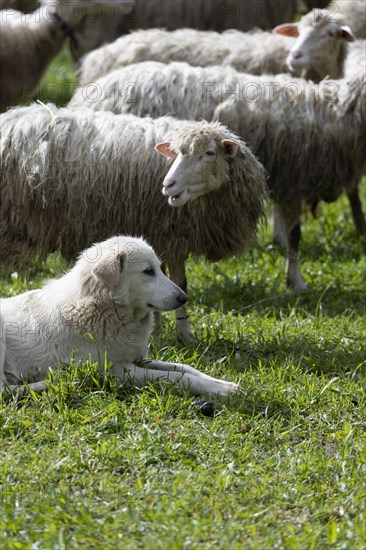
<point x="127" y="270"/>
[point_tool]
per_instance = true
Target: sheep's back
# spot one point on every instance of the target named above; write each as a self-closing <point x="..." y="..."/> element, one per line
<point x="71" y="178"/>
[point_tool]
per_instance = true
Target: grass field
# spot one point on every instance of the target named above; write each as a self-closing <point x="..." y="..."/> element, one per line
<point x="89" y="465"/>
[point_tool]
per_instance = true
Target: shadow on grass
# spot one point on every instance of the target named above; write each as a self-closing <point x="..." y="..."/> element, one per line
<point x="343" y="247"/>
<point x="242" y="299"/>
<point x="330" y="357"/>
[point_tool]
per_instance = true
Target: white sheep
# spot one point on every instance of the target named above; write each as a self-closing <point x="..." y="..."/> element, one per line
<point x="321" y="46"/>
<point x="313" y="147"/>
<point x="310" y="137"/>
<point x="73" y="177"/>
<point x="29" y="42"/>
<point x="318" y="51"/>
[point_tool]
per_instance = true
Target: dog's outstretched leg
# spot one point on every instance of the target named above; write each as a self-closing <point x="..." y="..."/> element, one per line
<point x="185" y="376"/>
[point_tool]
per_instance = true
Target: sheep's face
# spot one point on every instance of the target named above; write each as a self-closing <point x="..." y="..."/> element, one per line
<point x="195" y="174"/>
<point x="316" y="52"/>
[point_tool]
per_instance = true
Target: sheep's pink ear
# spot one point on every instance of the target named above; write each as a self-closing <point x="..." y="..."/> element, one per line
<point x="230" y="147"/>
<point x="108" y="270"/>
<point x="164" y="149"/>
<point x="346" y="34"/>
<point x="287" y="29"/>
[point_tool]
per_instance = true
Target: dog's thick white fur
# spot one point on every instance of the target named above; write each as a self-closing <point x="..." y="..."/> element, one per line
<point x="105" y="303"/>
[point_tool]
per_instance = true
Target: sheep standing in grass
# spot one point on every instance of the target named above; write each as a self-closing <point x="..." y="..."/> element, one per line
<point x="30" y="42"/>
<point x="319" y="50"/>
<point x="73" y="177"/>
<point x="310" y="137"/>
<point x="313" y="146"/>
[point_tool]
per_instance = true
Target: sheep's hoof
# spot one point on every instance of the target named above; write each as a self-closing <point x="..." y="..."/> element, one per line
<point x="186" y="338"/>
<point x="300" y="287"/>
<point x="280" y="240"/>
<point x="158" y="331"/>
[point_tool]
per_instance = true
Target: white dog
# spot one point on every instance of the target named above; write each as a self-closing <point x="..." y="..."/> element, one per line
<point x="104" y="303"/>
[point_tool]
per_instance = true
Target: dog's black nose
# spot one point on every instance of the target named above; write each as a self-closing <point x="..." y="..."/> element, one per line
<point x="182" y="298"/>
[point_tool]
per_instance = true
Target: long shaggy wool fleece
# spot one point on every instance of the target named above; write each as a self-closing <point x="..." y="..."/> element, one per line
<point x="155" y="89"/>
<point x="73" y="177"/>
<point x="257" y="52"/>
<point x="310" y="136"/>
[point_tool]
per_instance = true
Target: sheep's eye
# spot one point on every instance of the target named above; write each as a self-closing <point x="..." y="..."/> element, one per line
<point x="210" y="153"/>
<point x="149" y="271"/>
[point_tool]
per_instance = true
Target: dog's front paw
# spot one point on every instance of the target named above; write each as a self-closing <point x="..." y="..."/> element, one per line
<point x="233" y="388"/>
<point x="225" y="388"/>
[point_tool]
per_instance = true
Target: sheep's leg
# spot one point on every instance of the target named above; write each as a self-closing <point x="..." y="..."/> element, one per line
<point x="178" y="276"/>
<point x="294" y="277"/>
<point x="356" y="207"/>
<point x="279" y="228"/>
<point x="158" y="324"/>
<point x="158" y="320"/>
<point x="291" y="217"/>
<point x="185" y="376"/>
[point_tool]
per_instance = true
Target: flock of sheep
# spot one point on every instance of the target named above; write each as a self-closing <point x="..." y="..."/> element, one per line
<point x="285" y="110"/>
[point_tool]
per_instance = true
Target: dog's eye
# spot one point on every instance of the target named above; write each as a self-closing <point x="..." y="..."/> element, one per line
<point x="210" y="153"/>
<point x="149" y="271"/>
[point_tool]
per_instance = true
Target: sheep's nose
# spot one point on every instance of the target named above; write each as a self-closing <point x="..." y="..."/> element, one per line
<point x="297" y="55"/>
<point x="169" y="183"/>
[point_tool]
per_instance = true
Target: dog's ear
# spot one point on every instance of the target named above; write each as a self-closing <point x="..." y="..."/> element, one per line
<point x="108" y="270"/>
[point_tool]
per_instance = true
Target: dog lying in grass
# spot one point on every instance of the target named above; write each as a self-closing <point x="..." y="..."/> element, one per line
<point x="106" y="302"/>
